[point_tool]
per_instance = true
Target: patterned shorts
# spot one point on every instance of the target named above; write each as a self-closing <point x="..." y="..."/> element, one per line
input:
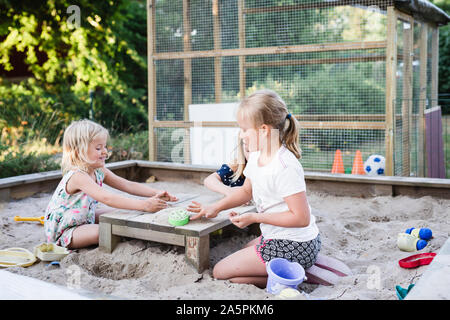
<point x="304" y="253"/>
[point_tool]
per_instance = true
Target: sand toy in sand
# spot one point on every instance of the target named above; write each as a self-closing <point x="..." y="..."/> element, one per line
<point x="16" y="257"/>
<point x="39" y="219"/>
<point x="421" y="233"/>
<point x="408" y="242"/>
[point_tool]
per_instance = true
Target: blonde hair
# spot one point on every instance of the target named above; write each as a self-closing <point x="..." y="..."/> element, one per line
<point x="266" y="107"/>
<point x="238" y="165"/>
<point x="77" y="137"/>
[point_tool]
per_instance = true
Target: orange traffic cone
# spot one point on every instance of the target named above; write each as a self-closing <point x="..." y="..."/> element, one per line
<point x="358" y="165"/>
<point x="338" y="164"/>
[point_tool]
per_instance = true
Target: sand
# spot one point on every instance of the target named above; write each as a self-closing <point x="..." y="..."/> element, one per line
<point x="360" y="232"/>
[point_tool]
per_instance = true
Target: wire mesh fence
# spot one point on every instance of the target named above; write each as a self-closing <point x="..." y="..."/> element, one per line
<point x="414" y="155"/>
<point x="327" y="60"/>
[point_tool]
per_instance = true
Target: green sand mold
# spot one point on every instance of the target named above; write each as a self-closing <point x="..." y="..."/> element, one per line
<point x="178" y="217"/>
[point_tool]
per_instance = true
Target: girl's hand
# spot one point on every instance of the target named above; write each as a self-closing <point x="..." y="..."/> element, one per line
<point x="164" y="195"/>
<point x="207" y="212"/>
<point x="154" y="204"/>
<point x="243" y="220"/>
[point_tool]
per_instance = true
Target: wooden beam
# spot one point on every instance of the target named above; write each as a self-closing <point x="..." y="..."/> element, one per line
<point x="187" y="61"/>
<point x="151" y="78"/>
<point x="423" y="56"/>
<point x="107" y="241"/>
<point x="404" y="16"/>
<point x="192" y="124"/>
<point x="197" y="252"/>
<point x="281" y="63"/>
<point x="408" y="51"/>
<point x="361" y="125"/>
<point x="148" y="234"/>
<point x="217" y="47"/>
<point x="179" y="172"/>
<point x="434" y="66"/>
<point x="241" y="28"/>
<point x="340" y="117"/>
<point x="187" y="77"/>
<point x="408" y="34"/>
<point x="364" y="45"/>
<point x="391" y="87"/>
<point x="307" y="6"/>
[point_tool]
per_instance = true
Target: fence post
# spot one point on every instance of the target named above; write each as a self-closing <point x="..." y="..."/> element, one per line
<point x="187" y="78"/>
<point x="408" y="33"/>
<point x="391" y="87"/>
<point x="151" y="78"/>
<point x="423" y="57"/>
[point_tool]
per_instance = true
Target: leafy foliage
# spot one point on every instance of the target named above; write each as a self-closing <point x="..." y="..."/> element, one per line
<point x="18" y="163"/>
<point x="106" y="54"/>
<point x="129" y="146"/>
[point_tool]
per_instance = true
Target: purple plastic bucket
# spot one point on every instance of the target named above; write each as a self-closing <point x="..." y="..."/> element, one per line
<point x="283" y="274"/>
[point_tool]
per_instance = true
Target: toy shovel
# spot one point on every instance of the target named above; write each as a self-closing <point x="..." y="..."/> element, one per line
<point x="39" y="219"/>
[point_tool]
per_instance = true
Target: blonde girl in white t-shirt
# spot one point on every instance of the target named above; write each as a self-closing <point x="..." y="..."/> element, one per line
<point x="275" y="181"/>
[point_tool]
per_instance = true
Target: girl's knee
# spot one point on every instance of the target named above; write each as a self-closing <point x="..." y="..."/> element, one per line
<point x="96" y="234"/>
<point x="92" y="233"/>
<point x="219" y="272"/>
<point x="85" y="235"/>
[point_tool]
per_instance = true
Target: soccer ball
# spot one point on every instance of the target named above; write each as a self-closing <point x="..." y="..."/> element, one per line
<point x="374" y="165"/>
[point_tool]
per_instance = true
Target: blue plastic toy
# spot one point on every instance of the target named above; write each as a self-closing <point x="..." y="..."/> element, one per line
<point x="422" y="233"/>
<point x="283" y="274"/>
<point x="402" y="292"/>
<point x="421" y="244"/>
<point x="408" y="242"/>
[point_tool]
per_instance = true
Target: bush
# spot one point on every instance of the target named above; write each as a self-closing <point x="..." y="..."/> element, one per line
<point x="18" y="163"/>
<point x="129" y="146"/>
<point x="106" y="54"/>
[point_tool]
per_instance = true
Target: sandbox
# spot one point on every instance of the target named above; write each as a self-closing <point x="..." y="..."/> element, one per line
<point x="358" y="219"/>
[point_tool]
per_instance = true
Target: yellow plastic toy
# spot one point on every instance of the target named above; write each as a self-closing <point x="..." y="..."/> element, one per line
<point x="39" y="219"/>
<point x="19" y="257"/>
<point x="50" y="252"/>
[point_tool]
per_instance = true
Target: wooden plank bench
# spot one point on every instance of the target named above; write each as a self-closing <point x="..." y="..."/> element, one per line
<point x="194" y="236"/>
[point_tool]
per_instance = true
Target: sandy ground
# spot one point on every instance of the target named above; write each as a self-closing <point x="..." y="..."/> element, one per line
<point x="360" y="232"/>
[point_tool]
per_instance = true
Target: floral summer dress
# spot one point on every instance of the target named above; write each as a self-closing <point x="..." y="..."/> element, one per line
<point x="66" y="211"/>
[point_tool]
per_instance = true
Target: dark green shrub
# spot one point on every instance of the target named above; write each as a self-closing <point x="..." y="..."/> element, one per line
<point x="129" y="146"/>
<point x="19" y="163"/>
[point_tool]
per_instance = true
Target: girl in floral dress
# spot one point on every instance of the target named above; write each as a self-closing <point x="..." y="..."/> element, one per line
<point x="71" y="219"/>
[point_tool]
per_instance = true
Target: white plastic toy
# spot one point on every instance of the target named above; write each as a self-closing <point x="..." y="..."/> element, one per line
<point x="375" y="165"/>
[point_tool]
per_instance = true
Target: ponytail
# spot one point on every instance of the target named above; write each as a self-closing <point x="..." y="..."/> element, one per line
<point x="290" y="136"/>
<point x="239" y="162"/>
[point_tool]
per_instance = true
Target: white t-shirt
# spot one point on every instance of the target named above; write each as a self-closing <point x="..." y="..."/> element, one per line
<point x="282" y="177"/>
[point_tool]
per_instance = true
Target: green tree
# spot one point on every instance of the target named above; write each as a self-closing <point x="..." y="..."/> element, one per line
<point x="106" y="54"/>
